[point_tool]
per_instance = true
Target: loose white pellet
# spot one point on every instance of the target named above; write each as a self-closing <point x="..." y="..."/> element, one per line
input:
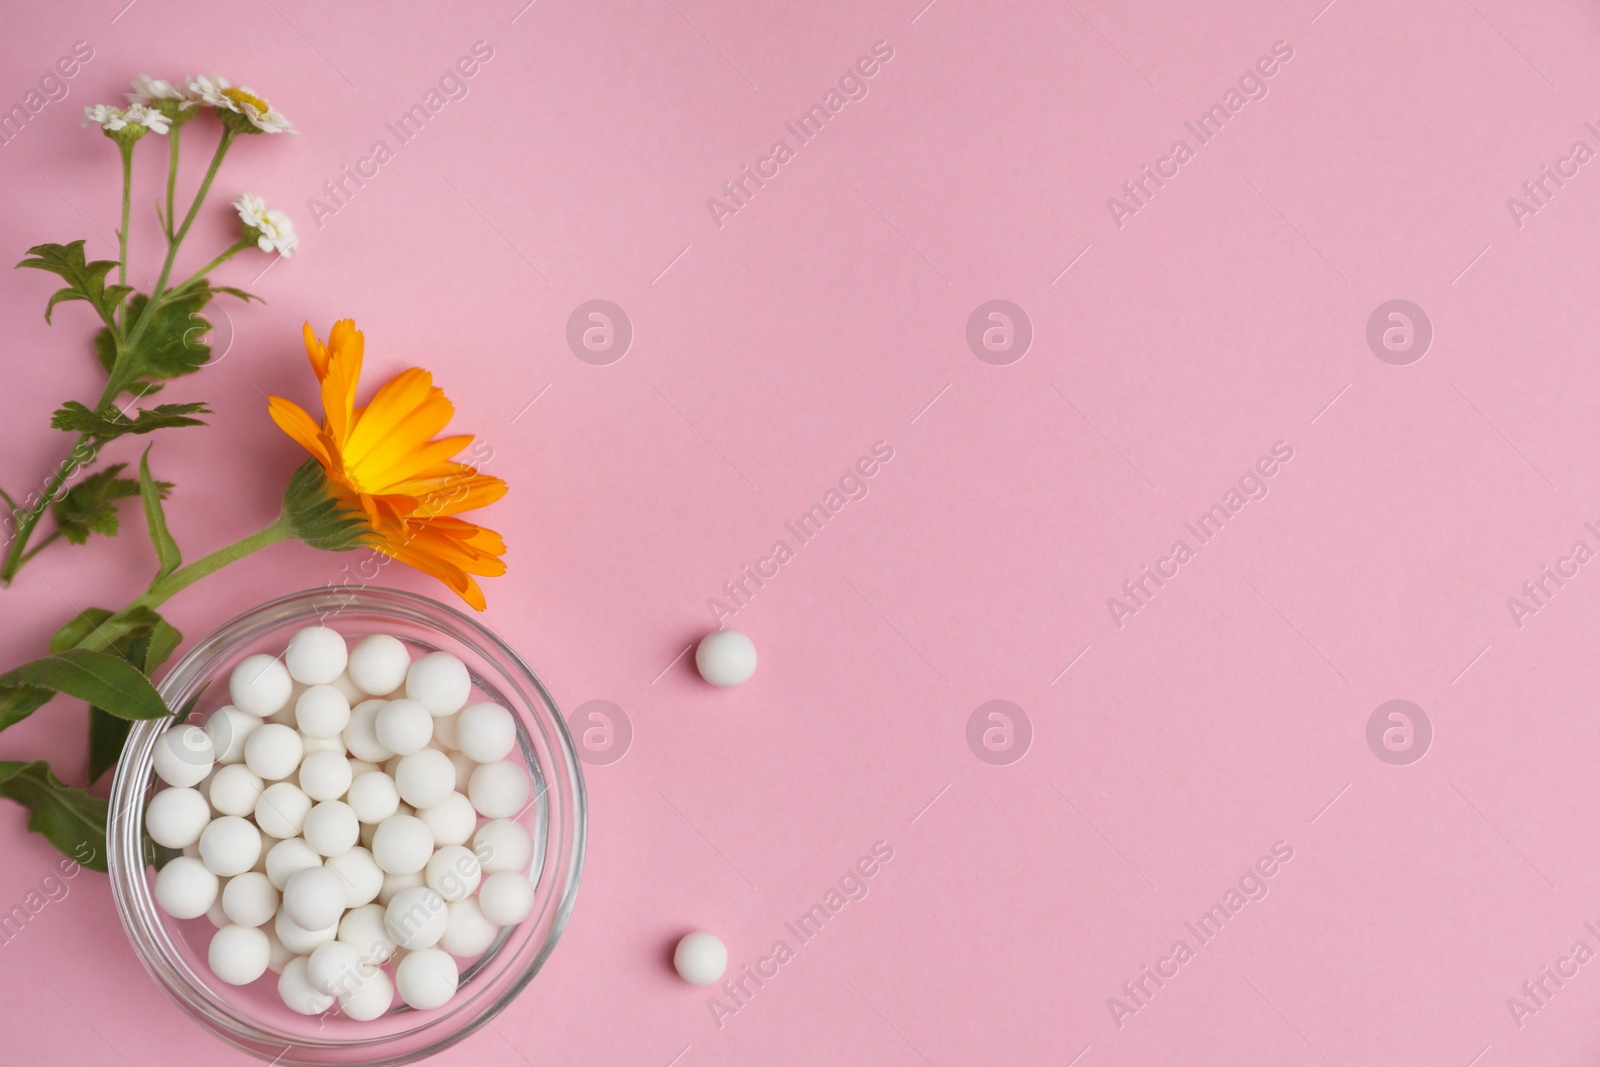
<point x="287" y="859"/>
<point x="361" y="735"/>
<point x="725" y="658"/>
<point x="235" y="789"/>
<point x="352" y="692"/>
<point x="506" y="897"/>
<point x="440" y="683"/>
<point x="183" y="756"/>
<point x="297" y="992"/>
<point x="325" y="775"/>
<point x="185" y="889"/>
<point x="260" y="685"/>
<point x="281" y="956"/>
<point x="700" y="958"/>
<point x="314" y="898"/>
<point x="467" y="933"/>
<point x="452" y="820"/>
<point x="402" y="844"/>
<point x="486" y="732"/>
<point x="332" y="828"/>
<point x="176" y="817"/>
<point x="281" y="810"/>
<point x="425" y="778"/>
<point x="359" y="874"/>
<point x="229" y="846"/>
<point x="337" y="968"/>
<point x="427" y="978"/>
<point x="239" y="954"/>
<point x="297" y="938"/>
<point x="503" y="845"/>
<point x="363" y="928"/>
<point x="453" y="872"/>
<point x="404" y="727"/>
<point x="316" y="655"/>
<point x="250" y="899"/>
<point x="322" y="711"/>
<point x="228" y="727"/>
<point x="499" y="790"/>
<point x="416" y="918"/>
<point x="273" y="751"/>
<point x="214" y="914"/>
<point x="378" y="664"/>
<point x="373" y="797"/>
<point x="371" y="999"/>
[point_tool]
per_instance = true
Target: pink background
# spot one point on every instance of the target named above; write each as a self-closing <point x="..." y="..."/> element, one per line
<point x="769" y="354"/>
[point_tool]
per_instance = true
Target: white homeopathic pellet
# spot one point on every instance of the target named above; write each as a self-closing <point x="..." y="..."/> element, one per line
<point x="453" y="872"/>
<point x="700" y="958"/>
<point x="416" y="918"/>
<point x="281" y="810"/>
<point x="228" y="727"/>
<point x="325" y="775"/>
<point x="185" y="889"/>
<point x="176" y="817"/>
<point x="332" y="828"/>
<point x="274" y="751"/>
<point x="230" y="845"/>
<point x="394" y="883"/>
<point x="725" y="658"/>
<point x="440" y="683"/>
<point x="361" y="735"/>
<point x="250" y="899"/>
<point x="316" y="655"/>
<point x="378" y="664"/>
<point x="506" y="897"/>
<point x="297" y="992"/>
<point x="371" y="999"/>
<point x="402" y="844"/>
<point x="499" y="790"/>
<point x="322" y="712"/>
<point x="363" y="927"/>
<point x="403" y="727"/>
<point x="235" y="789"/>
<point x="238" y="955"/>
<point x="373" y="797"/>
<point x="298" y="939"/>
<point x="288" y="858"/>
<point x="427" y="978"/>
<point x="452" y="820"/>
<point x="314" y="898"/>
<point x="183" y="756"/>
<point x="503" y="845"/>
<point x="359" y="874"/>
<point x="467" y="933"/>
<point x="260" y="686"/>
<point x="486" y="732"/>
<point x="337" y="967"/>
<point x="425" y="778"/>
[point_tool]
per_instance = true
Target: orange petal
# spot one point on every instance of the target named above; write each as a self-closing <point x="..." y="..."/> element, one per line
<point x="408" y="394"/>
<point x="293" y="420"/>
<point x="317" y="353"/>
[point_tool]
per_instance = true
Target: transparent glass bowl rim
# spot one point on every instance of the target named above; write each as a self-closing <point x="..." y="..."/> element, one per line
<point x="566" y="807"/>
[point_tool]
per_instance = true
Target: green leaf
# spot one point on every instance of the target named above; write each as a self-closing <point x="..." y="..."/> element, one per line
<point x="239" y="293"/>
<point x="107" y="735"/>
<point x="109" y="422"/>
<point x="169" y="345"/>
<point x="70" y="819"/>
<point x="17" y="704"/>
<point x="85" y="280"/>
<point x="90" y="507"/>
<point x="166" y="548"/>
<point x="82" y="625"/>
<point x="104" y="679"/>
<point x="318" y="519"/>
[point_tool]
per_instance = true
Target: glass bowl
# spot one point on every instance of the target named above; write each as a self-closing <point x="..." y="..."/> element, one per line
<point x="252" y="1017"/>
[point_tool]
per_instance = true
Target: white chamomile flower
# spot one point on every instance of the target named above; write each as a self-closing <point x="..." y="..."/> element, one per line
<point x="271" y="230"/>
<point x="102" y="115"/>
<point x="255" y="114"/>
<point x="148" y="90"/>
<point x="154" y="121"/>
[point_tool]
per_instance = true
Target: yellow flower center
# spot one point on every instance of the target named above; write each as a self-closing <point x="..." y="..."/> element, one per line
<point x="239" y="96"/>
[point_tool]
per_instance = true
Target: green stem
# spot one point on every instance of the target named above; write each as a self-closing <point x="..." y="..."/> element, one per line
<point x="200" y="274"/>
<point x="127" y="197"/>
<point x="172" y="173"/>
<point x="163" y="589"/>
<point x="17" y="554"/>
<point x="41" y="546"/>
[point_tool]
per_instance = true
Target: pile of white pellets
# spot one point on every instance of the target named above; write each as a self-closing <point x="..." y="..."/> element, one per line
<point x="347" y="822"/>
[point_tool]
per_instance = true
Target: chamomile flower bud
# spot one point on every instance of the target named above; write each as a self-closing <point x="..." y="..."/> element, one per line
<point x="241" y="110"/>
<point x="174" y="101"/>
<point x="271" y="230"/>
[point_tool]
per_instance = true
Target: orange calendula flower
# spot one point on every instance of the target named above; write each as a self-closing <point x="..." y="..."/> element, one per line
<point x="381" y="461"/>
